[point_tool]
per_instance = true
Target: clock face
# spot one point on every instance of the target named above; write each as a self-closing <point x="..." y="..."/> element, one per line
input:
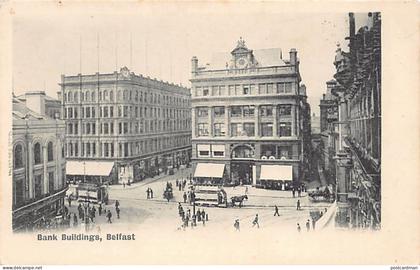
<point x="241" y="63"/>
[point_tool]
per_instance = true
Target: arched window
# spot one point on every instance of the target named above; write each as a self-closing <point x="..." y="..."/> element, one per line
<point x="75" y="97"/>
<point x="136" y="97"/>
<point x="87" y="96"/>
<point x="111" y="95"/>
<point x="68" y="96"/>
<point x="18" y="156"/>
<point x="125" y="95"/>
<point x="93" y="96"/>
<point x="131" y="94"/>
<point x="119" y="95"/>
<point x="50" y="151"/>
<point x="37" y="153"/>
<point x="105" y="95"/>
<point x="82" y="97"/>
<point x="100" y="96"/>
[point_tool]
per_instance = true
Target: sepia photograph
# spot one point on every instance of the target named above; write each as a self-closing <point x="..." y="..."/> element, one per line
<point x="208" y="127"/>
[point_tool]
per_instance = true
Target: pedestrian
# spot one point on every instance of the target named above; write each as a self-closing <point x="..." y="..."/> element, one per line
<point x="69" y="199"/>
<point x="293" y="192"/>
<point x="276" y="210"/>
<point x="185" y="197"/>
<point x="74" y="220"/>
<point x="151" y="193"/>
<point x="176" y="183"/>
<point x="299" y="191"/>
<point x="298" y="205"/>
<point x="100" y="209"/>
<point x="308" y="225"/>
<point x="246" y="190"/>
<point x="117" y="204"/>
<point x="298" y="227"/>
<point x="198" y="215"/>
<point x="148" y="193"/>
<point x="313" y="224"/>
<point x="123" y="184"/>
<point x="207" y="217"/>
<point x="109" y="216"/>
<point x="179" y="187"/>
<point x="118" y="212"/>
<point x="255" y="222"/>
<point x="203" y="214"/>
<point x="236" y="225"/>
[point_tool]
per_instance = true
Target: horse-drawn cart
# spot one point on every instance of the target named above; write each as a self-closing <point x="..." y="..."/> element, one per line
<point x="168" y="193"/>
<point x="323" y="194"/>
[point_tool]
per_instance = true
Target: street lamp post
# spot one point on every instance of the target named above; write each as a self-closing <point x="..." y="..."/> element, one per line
<point x="86" y="208"/>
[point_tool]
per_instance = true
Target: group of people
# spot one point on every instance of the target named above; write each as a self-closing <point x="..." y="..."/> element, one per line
<point x="299" y="191"/>
<point x="149" y="193"/>
<point x="255" y="222"/>
<point x="181" y="184"/>
<point x="192" y="220"/>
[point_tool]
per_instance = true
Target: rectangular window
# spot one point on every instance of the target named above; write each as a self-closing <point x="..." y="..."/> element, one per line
<point x="266" y="129"/>
<point x="203" y="129"/>
<point x="93" y="128"/>
<point x="270" y="88"/>
<point x="202" y="111"/>
<point x="284" y="152"/>
<point x="93" y="112"/>
<point x="249" y="129"/>
<point x="205" y="91"/>
<point x="119" y="128"/>
<point x="70" y="128"/>
<point x="219" y="111"/>
<point x="112" y="128"/>
<point x="75" y="112"/>
<point x="106" y="111"/>
<point x="253" y="89"/>
<point x="198" y="91"/>
<point x="285" y="109"/>
<point x="280" y="87"/>
<point x="248" y="111"/>
<point x="111" y="111"/>
<point x="236" y="129"/>
<point x="76" y="128"/>
<point x="218" y="150"/>
<point x="262" y="89"/>
<point x="106" y="130"/>
<point x="125" y="111"/>
<point x="93" y="149"/>
<point x="51" y="182"/>
<point x="231" y="90"/>
<point x="215" y="91"/>
<point x="285" y="129"/>
<point x="88" y="128"/>
<point x="219" y="129"/>
<point x="125" y="128"/>
<point x="246" y="90"/>
<point x="266" y="110"/>
<point x="203" y="150"/>
<point x="87" y="112"/>
<point x="236" y="111"/>
<point x="288" y="87"/>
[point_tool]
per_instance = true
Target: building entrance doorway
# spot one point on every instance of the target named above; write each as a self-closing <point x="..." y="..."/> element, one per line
<point x="241" y="173"/>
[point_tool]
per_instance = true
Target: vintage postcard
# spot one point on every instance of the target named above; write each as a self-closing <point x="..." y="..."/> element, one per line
<point x="219" y="132"/>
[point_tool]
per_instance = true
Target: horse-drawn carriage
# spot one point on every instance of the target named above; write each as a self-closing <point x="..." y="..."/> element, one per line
<point x="168" y="193"/>
<point x="323" y="194"/>
<point x="239" y="200"/>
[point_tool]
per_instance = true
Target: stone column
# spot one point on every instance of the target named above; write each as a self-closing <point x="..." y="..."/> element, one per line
<point x="275" y="121"/>
<point x="257" y="121"/>
<point x="227" y="121"/>
<point x="44" y="163"/>
<point x="30" y="180"/>
<point x="210" y="121"/>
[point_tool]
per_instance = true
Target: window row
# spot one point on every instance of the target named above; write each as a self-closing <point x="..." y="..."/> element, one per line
<point x="246" y="111"/>
<point x="245" y="89"/>
<point x="284" y="129"/>
<point x="210" y="150"/>
<point x="128" y="95"/>
<point x="125" y="149"/>
<point x="37" y="151"/>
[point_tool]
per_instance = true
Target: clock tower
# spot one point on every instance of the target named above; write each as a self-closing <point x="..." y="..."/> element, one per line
<point x="242" y="57"/>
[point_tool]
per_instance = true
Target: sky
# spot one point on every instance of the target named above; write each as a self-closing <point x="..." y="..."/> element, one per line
<point x="160" y="42"/>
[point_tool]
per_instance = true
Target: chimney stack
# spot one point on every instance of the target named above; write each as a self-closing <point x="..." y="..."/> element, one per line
<point x="293" y="56"/>
<point x="35" y="101"/>
<point x="194" y="64"/>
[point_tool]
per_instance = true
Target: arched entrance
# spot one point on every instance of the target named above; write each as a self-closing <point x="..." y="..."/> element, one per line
<point x="241" y="165"/>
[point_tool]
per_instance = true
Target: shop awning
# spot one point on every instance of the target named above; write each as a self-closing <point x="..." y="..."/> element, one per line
<point x="276" y="172"/>
<point x="94" y="168"/>
<point x="214" y="170"/>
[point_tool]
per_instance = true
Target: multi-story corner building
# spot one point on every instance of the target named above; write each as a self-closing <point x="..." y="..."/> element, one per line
<point x="39" y="166"/>
<point x="249" y="113"/>
<point x="127" y="125"/>
<point x="329" y="131"/>
<point x="39" y="101"/>
<point x="358" y="149"/>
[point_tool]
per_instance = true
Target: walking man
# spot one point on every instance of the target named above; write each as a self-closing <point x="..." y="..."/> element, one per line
<point x="118" y="212"/>
<point x="74" y="220"/>
<point x="100" y="209"/>
<point x="299" y="191"/>
<point x="185" y="197"/>
<point x="293" y="192"/>
<point x="151" y="193"/>
<point x="298" y="205"/>
<point x="308" y="225"/>
<point x="69" y="199"/>
<point x="298" y="227"/>
<point x="276" y="210"/>
<point x="255" y="222"/>
<point x="109" y="216"/>
<point x="148" y="193"/>
<point x="313" y="224"/>
<point x="117" y="204"/>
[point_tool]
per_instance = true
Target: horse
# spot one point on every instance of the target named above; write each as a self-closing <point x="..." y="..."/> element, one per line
<point x="238" y="199"/>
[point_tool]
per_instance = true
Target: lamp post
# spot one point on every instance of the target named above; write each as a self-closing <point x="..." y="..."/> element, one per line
<point x="86" y="208"/>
